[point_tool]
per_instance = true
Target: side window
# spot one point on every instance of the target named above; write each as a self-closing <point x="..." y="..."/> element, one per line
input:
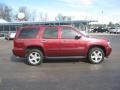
<point x="50" y="33"/>
<point x="28" y="33"/>
<point x="68" y="33"/>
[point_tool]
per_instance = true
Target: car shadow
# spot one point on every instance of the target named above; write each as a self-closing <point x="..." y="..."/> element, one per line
<point x="65" y="60"/>
<point x="17" y="59"/>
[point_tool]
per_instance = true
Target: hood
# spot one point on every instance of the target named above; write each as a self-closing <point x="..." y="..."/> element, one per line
<point x="97" y="39"/>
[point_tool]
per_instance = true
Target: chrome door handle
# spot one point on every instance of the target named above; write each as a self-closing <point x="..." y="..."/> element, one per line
<point x="65" y="41"/>
<point x="43" y="41"/>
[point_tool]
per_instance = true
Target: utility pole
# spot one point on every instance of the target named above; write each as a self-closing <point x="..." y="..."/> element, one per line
<point x="102" y="16"/>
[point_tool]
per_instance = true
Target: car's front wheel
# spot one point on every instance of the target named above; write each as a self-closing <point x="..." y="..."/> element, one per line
<point x="34" y="57"/>
<point x="96" y="55"/>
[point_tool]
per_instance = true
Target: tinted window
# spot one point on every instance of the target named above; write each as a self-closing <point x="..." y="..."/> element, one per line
<point x="13" y="28"/>
<point x="28" y="33"/>
<point x="1" y="28"/>
<point x="68" y="33"/>
<point x="6" y="28"/>
<point x="50" y="33"/>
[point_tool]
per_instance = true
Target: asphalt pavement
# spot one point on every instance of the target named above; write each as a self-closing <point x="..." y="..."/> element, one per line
<point x="60" y="74"/>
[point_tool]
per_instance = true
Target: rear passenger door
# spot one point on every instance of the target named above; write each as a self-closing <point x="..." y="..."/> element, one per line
<point x="51" y="41"/>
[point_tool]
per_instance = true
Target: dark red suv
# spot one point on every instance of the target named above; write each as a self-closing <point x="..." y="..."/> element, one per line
<point x="58" y="41"/>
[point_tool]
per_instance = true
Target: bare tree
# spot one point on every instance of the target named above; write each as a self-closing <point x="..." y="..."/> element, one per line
<point x="33" y="15"/>
<point x="43" y="17"/>
<point x="46" y="17"/>
<point x="111" y="24"/>
<point x="61" y="17"/>
<point x="5" y="12"/>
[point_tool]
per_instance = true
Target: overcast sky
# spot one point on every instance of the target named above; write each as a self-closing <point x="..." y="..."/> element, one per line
<point x="102" y="10"/>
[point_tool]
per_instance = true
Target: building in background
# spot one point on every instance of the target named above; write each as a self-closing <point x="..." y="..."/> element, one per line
<point x="11" y="27"/>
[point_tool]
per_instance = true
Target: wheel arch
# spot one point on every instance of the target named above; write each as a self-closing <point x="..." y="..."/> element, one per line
<point x="35" y="47"/>
<point x="98" y="46"/>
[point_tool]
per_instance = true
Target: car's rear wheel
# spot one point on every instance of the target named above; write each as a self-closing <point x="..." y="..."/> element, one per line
<point x="34" y="57"/>
<point x="96" y="55"/>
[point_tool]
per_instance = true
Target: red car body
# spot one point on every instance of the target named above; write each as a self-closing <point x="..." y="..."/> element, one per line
<point x="58" y="47"/>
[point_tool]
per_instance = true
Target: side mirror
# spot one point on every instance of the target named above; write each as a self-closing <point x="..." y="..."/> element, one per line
<point x="77" y="37"/>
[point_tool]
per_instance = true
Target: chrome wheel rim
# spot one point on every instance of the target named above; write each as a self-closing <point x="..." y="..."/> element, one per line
<point x="96" y="56"/>
<point x="34" y="58"/>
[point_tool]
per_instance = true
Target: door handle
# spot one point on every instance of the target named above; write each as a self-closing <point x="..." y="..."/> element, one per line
<point x="43" y="41"/>
<point x="64" y="41"/>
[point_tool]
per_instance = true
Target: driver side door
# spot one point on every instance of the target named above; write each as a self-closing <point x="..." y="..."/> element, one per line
<point x="69" y="46"/>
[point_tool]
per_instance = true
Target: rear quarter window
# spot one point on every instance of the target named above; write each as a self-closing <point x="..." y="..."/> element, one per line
<point x="28" y="33"/>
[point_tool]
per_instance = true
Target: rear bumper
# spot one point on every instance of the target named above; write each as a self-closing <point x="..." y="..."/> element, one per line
<point x="18" y="52"/>
<point x="108" y="51"/>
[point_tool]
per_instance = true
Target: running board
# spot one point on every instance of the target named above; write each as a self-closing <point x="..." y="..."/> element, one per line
<point x="66" y="57"/>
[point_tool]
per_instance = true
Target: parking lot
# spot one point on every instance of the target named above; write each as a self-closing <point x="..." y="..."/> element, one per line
<point x="60" y="74"/>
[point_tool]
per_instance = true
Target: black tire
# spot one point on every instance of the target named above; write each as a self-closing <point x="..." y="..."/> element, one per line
<point x="34" y="57"/>
<point x="96" y="55"/>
